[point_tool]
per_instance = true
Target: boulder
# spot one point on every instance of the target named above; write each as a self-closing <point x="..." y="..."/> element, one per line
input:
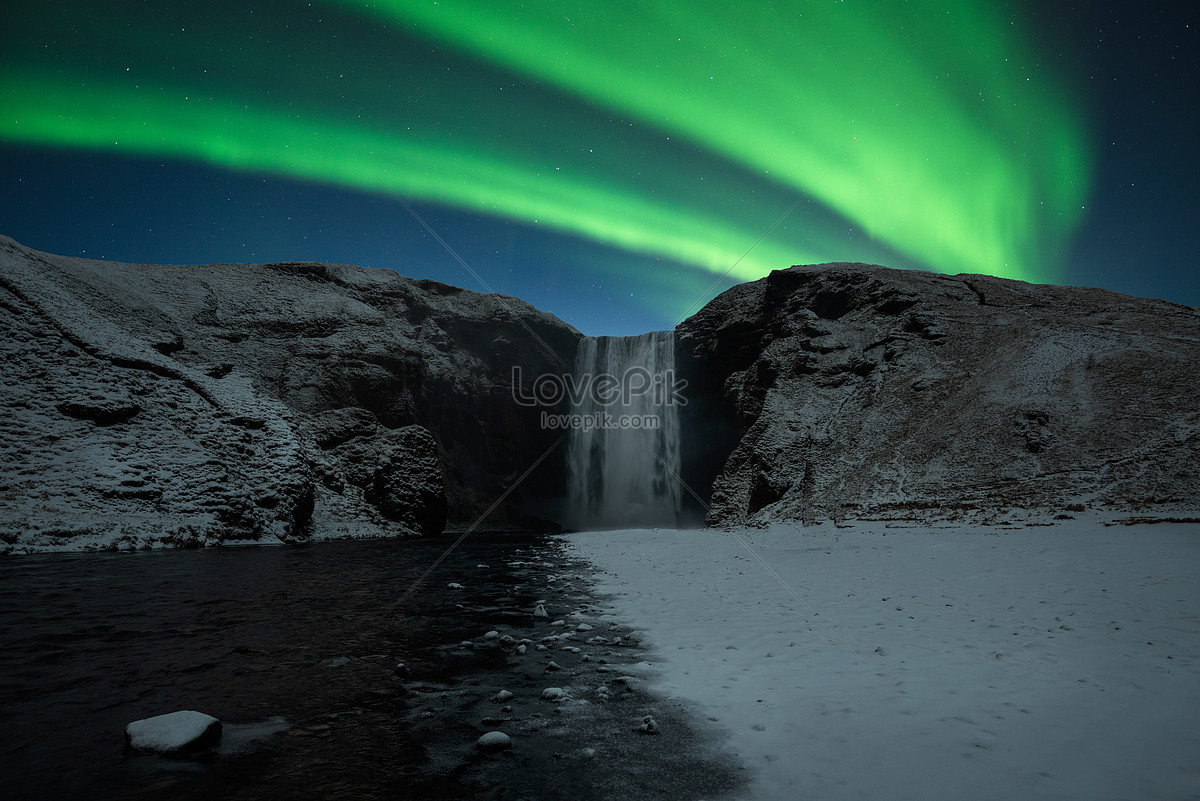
<point x="494" y="741"/>
<point x="173" y="733"/>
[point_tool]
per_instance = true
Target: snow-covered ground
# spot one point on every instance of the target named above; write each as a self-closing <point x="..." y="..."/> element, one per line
<point x="874" y="662"/>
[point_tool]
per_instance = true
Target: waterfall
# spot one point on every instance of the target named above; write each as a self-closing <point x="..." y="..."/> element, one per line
<point x="623" y="447"/>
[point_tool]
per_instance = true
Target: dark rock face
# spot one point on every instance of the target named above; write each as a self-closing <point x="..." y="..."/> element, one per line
<point x="860" y="391"/>
<point x="149" y="404"/>
<point x="400" y="473"/>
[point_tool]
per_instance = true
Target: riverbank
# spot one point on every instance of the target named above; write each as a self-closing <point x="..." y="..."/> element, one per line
<point x="927" y="662"/>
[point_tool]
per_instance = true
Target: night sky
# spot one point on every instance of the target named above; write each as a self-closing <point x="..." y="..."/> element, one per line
<point x="616" y="163"/>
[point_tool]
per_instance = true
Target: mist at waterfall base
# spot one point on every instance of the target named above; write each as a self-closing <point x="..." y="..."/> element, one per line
<point x="623" y="452"/>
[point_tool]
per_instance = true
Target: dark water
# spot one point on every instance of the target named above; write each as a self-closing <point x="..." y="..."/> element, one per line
<point x="294" y="649"/>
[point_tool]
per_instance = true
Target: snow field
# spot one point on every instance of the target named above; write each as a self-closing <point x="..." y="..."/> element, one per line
<point x="928" y="663"/>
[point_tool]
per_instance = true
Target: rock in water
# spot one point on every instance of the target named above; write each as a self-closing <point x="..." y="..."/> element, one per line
<point x="494" y="741"/>
<point x="174" y="732"/>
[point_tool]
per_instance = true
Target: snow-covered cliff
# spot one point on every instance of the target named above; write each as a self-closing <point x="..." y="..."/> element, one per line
<point x="860" y="391"/>
<point x="153" y="405"/>
<point x="177" y="405"/>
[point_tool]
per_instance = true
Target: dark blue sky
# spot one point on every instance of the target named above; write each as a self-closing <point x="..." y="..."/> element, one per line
<point x="1132" y="67"/>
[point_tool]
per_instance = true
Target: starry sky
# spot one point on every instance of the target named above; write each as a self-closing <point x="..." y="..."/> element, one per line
<point x="615" y="163"/>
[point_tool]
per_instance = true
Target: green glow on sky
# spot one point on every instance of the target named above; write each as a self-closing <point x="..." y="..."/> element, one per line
<point x="234" y="136"/>
<point x="929" y="125"/>
<point x="924" y="137"/>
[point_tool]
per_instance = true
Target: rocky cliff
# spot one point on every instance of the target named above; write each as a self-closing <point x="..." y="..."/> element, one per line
<point x="150" y="404"/>
<point x="858" y="391"/>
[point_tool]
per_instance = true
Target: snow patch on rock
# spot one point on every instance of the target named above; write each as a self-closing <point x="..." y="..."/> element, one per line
<point x="173" y="732"/>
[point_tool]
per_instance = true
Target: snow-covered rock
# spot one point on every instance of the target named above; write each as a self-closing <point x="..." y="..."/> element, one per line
<point x="845" y="390"/>
<point x="648" y="725"/>
<point x="173" y="732"/>
<point x="494" y="741"/>
<point x="151" y="405"/>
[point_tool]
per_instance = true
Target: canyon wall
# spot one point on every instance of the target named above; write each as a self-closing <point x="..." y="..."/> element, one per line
<point x="854" y="391"/>
<point x="174" y="406"/>
<point x="188" y="405"/>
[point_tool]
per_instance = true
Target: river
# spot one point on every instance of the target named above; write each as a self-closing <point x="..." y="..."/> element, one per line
<point x="294" y="648"/>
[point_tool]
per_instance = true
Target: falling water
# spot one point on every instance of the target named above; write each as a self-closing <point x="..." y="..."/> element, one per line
<point x="623" y="451"/>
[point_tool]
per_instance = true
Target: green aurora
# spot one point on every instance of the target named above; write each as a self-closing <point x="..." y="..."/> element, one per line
<point x="924" y="137"/>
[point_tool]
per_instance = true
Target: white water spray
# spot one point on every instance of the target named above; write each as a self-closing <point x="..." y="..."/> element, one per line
<point x="623" y="453"/>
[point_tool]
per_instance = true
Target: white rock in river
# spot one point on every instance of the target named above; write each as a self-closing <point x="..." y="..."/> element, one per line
<point x="554" y="694"/>
<point x="175" y="731"/>
<point x="494" y="741"/>
<point x="540" y="612"/>
<point x="502" y="696"/>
